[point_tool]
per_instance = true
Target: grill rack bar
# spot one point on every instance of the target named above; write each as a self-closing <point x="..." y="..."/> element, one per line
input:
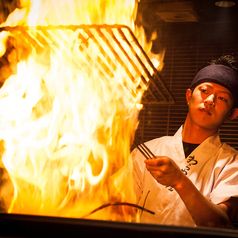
<point x="131" y="56"/>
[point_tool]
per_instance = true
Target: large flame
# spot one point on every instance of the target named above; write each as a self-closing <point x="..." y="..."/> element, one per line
<point x="67" y="130"/>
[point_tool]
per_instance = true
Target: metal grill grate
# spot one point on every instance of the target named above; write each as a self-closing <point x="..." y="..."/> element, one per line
<point x="114" y="43"/>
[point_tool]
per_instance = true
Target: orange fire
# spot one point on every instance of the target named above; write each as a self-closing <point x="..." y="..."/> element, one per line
<point x="66" y="123"/>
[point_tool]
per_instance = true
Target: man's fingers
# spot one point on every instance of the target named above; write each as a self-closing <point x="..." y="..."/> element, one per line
<point x="155" y="164"/>
<point x="159" y="161"/>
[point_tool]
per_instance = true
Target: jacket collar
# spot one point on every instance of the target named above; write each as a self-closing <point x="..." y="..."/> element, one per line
<point x="206" y="148"/>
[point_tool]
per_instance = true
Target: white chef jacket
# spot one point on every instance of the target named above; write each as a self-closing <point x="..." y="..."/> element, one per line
<point x="212" y="167"/>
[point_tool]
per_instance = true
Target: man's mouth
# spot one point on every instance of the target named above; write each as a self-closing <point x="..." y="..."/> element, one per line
<point x="205" y="111"/>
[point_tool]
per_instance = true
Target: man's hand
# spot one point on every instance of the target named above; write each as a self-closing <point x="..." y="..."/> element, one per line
<point x="165" y="171"/>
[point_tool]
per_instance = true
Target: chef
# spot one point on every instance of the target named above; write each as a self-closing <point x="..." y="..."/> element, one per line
<point x="193" y="179"/>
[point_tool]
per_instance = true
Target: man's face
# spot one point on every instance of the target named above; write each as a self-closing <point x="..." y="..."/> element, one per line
<point x="210" y="105"/>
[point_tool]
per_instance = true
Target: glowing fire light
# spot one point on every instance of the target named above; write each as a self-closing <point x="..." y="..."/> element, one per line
<point x="66" y="128"/>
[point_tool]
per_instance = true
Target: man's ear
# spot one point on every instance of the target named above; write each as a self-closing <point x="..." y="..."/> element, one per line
<point x="188" y="95"/>
<point x="233" y="114"/>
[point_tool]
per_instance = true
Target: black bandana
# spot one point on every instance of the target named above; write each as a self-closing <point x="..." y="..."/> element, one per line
<point x="220" y="74"/>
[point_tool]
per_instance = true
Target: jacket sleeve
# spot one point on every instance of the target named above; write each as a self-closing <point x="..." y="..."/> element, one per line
<point x="138" y="172"/>
<point x="226" y="185"/>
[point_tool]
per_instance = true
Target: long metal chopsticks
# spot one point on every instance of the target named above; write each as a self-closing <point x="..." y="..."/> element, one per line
<point x="144" y="149"/>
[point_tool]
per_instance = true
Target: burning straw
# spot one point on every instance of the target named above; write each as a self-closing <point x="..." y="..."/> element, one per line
<point x="69" y="113"/>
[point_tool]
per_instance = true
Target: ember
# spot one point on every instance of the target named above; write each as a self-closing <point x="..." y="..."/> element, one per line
<point x="69" y="113"/>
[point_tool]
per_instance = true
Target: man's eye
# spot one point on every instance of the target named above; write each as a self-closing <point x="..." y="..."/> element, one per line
<point x="223" y="99"/>
<point x="203" y="90"/>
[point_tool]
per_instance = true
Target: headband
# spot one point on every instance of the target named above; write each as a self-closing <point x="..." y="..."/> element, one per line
<point x="220" y="74"/>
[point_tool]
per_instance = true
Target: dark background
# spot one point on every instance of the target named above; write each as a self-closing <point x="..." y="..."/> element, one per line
<point x="191" y="33"/>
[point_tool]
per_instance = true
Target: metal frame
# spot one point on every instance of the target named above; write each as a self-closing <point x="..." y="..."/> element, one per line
<point x="122" y="45"/>
<point x="18" y="225"/>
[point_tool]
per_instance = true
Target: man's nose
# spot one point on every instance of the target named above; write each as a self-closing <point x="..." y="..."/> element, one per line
<point x="210" y="100"/>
